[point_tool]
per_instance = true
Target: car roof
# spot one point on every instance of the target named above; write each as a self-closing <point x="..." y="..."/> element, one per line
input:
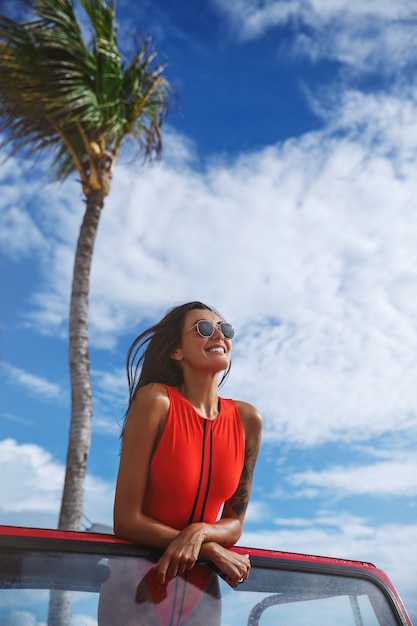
<point x="109" y="539"/>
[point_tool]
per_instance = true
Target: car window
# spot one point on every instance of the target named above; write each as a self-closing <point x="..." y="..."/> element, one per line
<point x="101" y="590"/>
<point x="280" y="596"/>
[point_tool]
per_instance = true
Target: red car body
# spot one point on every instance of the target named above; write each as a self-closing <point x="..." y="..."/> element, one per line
<point x="283" y="587"/>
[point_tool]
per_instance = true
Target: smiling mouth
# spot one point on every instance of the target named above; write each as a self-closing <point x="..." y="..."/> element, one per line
<point x="218" y="350"/>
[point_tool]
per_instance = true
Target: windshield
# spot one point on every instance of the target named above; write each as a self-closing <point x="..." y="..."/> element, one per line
<point x="102" y="590"/>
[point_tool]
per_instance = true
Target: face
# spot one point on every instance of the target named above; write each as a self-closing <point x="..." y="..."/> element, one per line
<point x="208" y="353"/>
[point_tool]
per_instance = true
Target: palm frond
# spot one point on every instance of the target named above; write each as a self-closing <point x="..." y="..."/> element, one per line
<point x="60" y="94"/>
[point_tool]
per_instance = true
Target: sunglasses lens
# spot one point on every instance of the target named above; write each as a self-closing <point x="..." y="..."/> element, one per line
<point x="205" y="328"/>
<point x="227" y="330"/>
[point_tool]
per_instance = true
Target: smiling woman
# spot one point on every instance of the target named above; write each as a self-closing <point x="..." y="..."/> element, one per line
<point x="172" y="484"/>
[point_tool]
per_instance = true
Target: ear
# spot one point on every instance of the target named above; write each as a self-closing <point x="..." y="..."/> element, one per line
<point x="177" y="355"/>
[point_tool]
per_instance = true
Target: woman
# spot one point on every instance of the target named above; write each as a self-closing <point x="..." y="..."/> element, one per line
<point x="185" y="454"/>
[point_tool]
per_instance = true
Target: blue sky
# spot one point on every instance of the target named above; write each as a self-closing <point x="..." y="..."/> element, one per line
<point x="286" y="199"/>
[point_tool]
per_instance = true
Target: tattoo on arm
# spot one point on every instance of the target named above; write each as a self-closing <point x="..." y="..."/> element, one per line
<point x="240" y="499"/>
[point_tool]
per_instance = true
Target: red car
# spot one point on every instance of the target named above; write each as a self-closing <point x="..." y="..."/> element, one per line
<point x="283" y="587"/>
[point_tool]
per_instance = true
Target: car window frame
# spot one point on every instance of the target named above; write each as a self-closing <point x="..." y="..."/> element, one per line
<point x="110" y="546"/>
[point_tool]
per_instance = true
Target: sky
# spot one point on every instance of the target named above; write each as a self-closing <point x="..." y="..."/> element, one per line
<point x="285" y="198"/>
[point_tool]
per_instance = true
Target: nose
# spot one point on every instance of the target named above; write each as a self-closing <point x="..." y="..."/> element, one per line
<point x="218" y="331"/>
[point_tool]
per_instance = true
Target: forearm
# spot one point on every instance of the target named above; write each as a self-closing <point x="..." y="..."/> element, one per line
<point x="148" y="531"/>
<point x="226" y="532"/>
<point x="218" y="537"/>
<point x="144" y="530"/>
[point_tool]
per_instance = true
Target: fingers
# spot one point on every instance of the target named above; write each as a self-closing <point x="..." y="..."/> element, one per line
<point x="184" y="564"/>
<point x="243" y="568"/>
<point x="240" y="571"/>
<point x="190" y="564"/>
<point x="176" y="560"/>
<point x="160" y="570"/>
<point x="182" y="553"/>
<point x="170" y="566"/>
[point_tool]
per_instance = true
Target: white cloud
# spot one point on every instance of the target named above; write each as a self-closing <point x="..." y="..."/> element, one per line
<point x="17" y="418"/>
<point x="23" y="618"/>
<point x="19" y="235"/>
<point x="107" y="426"/>
<point x="31" y="495"/>
<point x="364" y="34"/>
<point x="395" y="478"/>
<point x="31" y="382"/>
<point x="83" y="620"/>
<point x="257" y="511"/>
<point x="110" y="400"/>
<point x="35" y="479"/>
<point x="110" y="384"/>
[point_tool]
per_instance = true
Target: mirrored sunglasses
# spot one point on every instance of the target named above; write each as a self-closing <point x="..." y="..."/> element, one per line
<point x="206" y="329"/>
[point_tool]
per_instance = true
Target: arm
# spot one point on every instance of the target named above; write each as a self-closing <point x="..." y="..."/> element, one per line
<point x="144" y="425"/>
<point x="235" y="507"/>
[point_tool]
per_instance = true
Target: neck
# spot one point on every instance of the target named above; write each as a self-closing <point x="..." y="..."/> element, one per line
<point x="202" y="393"/>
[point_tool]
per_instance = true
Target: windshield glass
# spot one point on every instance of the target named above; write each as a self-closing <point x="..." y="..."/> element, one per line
<point x="98" y="590"/>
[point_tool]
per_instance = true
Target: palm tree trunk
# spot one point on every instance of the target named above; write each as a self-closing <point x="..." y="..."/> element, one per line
<point x="59" y="610"/>
<point x="60" y="602"/>
<point x="81" y="395"/>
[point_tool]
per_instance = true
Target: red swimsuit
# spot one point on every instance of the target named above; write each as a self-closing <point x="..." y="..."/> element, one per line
<point x="197" y="464"/>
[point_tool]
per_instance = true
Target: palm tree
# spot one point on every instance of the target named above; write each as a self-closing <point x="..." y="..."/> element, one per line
<point x="78" y="102"/>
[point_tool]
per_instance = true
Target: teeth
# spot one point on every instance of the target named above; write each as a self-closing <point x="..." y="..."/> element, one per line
<point x="221" y="350"/>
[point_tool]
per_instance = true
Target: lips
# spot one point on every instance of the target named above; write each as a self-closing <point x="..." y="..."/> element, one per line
<point x="217" y="349"/>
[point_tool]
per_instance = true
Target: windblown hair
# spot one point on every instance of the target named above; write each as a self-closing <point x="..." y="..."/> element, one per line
<point x="149" y="357"/>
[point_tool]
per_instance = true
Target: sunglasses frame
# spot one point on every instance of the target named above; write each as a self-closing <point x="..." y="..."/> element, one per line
<point x="218" y="325"/>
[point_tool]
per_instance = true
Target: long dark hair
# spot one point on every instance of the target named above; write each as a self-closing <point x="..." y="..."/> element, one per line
<point x="153" y="363"/>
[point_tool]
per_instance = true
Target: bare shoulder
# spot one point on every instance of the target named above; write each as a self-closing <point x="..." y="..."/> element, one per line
<point x="153" y="393"/>
<point x="150" y="404"/>
<point x="248" y="411"/>
<point x="251" y="418"/>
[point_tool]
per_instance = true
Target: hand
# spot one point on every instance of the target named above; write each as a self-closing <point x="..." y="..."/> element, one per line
<point x="182" y="553"/>
<point x="234" y="568"/>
